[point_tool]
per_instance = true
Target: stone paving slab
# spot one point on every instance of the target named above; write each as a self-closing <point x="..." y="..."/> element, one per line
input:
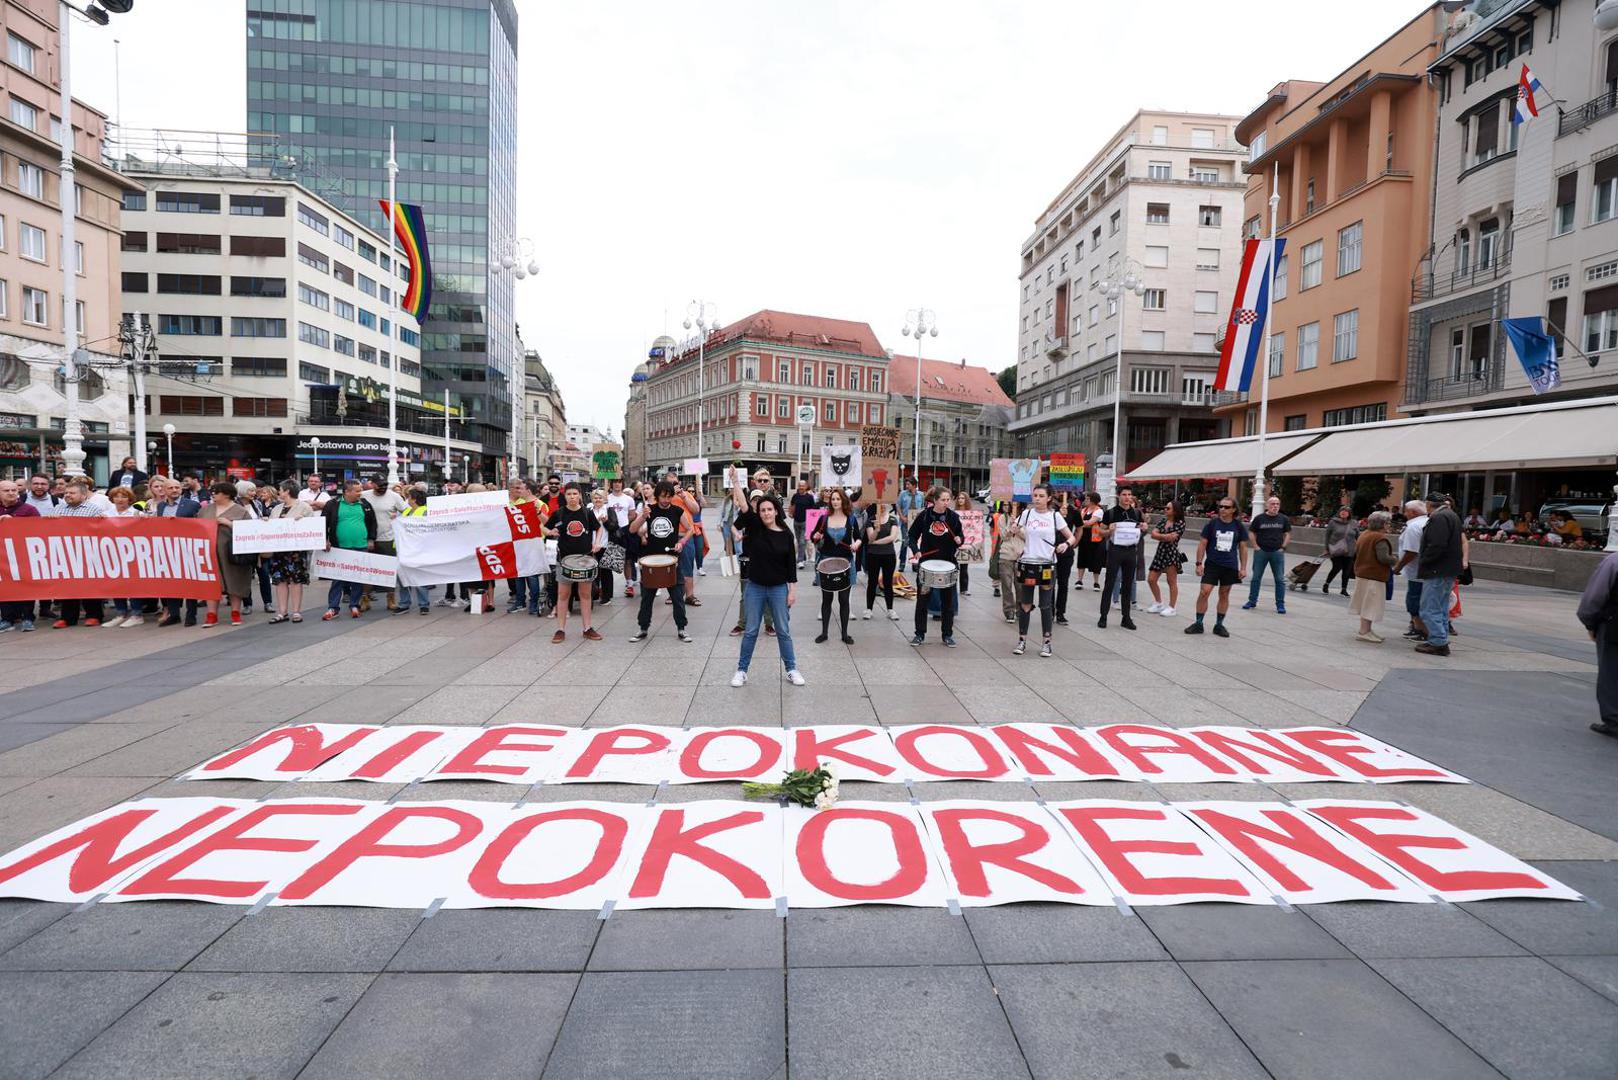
<point x="309" y="939"/>
<point x="499" y="939"/>
<point x="1372" y="930"/>
<point x="156" y="935"/>
<point x="45" y="1017"/>
<point x="1238" y="932"/>
<point x="1059" y="934"/>
<point x="684" y="940"/>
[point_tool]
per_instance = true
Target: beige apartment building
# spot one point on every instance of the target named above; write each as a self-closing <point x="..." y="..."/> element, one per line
<point x="1162" y="198"/>
<point x="33" y="401"/>
<point x="1354" y="158"/>
<point x="545" y="415"/>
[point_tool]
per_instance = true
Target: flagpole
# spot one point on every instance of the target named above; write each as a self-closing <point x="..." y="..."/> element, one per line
<point x="393" y="348"/>
<point x="1264" y="356"/>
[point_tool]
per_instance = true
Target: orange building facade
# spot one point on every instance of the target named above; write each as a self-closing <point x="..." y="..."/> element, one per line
<point x="1353" y="162"/>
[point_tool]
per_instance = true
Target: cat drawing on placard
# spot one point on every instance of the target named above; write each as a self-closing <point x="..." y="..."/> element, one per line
<point x="840" y="464"/>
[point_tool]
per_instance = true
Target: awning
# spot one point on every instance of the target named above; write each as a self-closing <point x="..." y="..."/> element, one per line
<point x="1579" y="434"/>
<point x="1221" y="457"/>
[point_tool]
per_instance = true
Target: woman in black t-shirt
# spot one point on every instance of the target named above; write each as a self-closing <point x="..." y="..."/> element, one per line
<point x="577" y="531"/>
<point x="881" y="556"/>
<point x="772" y="577"/>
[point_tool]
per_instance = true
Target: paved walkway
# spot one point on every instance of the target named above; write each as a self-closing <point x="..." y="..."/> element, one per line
<point x="1507" y="987"/>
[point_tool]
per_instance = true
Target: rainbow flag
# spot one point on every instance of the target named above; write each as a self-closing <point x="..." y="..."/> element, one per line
<point x="411" y="228"/>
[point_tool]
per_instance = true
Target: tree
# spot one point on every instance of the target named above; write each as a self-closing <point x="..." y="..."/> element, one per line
<point x="1008" y="381"/>
<point x="1369" y="493"/>
<point x="1330" y="495"/>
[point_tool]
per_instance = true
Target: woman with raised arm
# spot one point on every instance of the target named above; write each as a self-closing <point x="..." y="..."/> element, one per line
<point x="772" y="576"/>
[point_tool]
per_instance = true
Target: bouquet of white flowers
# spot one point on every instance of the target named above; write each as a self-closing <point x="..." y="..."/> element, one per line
<point x="806" y="787"/>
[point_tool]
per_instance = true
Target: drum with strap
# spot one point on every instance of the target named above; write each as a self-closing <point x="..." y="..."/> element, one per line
<point x="834" y="574"/>
<point x="659" y="571"/>
<point x="578" y="568"/>
<point x="1037" y="573"/>
<point x="937" y="574"/>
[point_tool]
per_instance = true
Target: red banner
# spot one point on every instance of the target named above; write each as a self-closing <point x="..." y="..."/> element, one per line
<point x="99" y="558"/>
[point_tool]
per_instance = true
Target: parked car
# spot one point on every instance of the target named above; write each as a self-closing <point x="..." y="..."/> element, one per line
<point x="981" y="495"/>
<point x="1592" y="517"/>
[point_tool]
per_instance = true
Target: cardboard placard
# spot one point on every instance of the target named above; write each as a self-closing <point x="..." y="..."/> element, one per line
<point x="278" y="534"/>
<point x="365" y="567"/>
<point x="840" y="466"/>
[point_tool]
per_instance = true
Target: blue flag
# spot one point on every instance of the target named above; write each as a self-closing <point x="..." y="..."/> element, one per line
<point x="1536" y="350"/>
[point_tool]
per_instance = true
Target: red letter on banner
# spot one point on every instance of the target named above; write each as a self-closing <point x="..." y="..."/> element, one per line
<point x="908" y="876"/>
<point x="992" y="764"/>
<point x="161" y="879"/>
<point x="367" y="844"/>
<point x="470" y="759"/>
<point x="1326" y="742"/>
<point x="307" y="748"/>
<point x="1267" y="745"/>
<point x="967" y="860"/>
<point x="1296" y="834"/>
<point x="1392" y="847"/>
<point x="395" y="755"/>
<point x="812" y="751"/>
<point x="1076" y="750"/>
<point x="670" y="838"/>
<point x="769" y="752"/>
<point x="1172" y="743"/>
<point x="99" y="861"/>
<point x="1115" y="853"/>
<point x="606" y="743"/>
<point x="485" y="879"/>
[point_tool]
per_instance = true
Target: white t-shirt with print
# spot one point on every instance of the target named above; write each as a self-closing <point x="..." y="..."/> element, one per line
<point x="1039" y="534"/>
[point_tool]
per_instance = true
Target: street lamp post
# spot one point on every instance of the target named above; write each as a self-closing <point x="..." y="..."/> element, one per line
<point x="516" y="255"/>
<point x="168" y="433"/>
<point x="919" y="321"/>
<point x="706" y="316"/>
<point x="1124" y="277"/>
<point x="314" y="448"/>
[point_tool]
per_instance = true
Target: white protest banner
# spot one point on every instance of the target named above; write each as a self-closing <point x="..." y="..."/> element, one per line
<point x="734" y="854"/>
<point x="1002" y="753"/>
<point x="466" y="502"/>
<point x="367" y="568"/>
<point x="278" y="534"/>
<point x="734" y="475"/>
<point x="694" y="466"/>
<point x="841" y="466"/>
<point x="448" y="549"/>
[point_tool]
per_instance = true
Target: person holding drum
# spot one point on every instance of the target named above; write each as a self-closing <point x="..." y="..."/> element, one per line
<point x="882" y="538"/>
<point x="665" y="528"/>
<point x="935" y="536"/>
<point x="579" y="541"/>
<point x="772" y="576"/>
<point x="1039" y="526"/>
<point x="836" y="539"/>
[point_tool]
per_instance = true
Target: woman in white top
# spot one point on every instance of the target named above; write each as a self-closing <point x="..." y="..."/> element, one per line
<point x="1040" y="527"/>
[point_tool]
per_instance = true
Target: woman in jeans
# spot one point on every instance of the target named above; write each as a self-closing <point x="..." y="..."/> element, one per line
<point x="772" y="577"/>
<point x="123" y="505"/>
<point x="1342" y="541"/>
<point x="881" y="556"/>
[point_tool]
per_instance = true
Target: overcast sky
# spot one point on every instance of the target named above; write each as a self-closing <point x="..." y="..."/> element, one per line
<point x="849" y="158"/>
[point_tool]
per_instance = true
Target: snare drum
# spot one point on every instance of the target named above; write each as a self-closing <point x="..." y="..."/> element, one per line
<point x="834" y="574"/>
<point x="1037" y="573"/>
<point x="578" y="568"/>
<point x="937" y="574"/>
<point x="659" y="571"/>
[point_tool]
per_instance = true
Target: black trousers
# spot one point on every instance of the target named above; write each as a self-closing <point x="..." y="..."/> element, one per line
<point x="1607" y="672"/>
<point x="1120" y="561"/>
<point x="602" y="587"/>
<point x="964" y="585"/>
<point x="1340" y="564"/>
<point x="1029" y="597"/>
<point x="16" y="611"/>
<point x="1064" y="567"/>
<point x="647" y="596"/>
<point x="71" y="610"/>
<point x="879" y="566"/>
<point x="946" y="604"/>
<point x="826" y="596"/>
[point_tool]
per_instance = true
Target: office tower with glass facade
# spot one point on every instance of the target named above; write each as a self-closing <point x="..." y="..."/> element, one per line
<point x="326" y="79"/>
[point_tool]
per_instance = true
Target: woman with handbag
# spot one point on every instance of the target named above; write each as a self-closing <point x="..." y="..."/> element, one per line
<point x="1342" y="543"/>
<point x="1374" y="557"/>
<point x="289" y="570"/>
<point x="235" y="571"/>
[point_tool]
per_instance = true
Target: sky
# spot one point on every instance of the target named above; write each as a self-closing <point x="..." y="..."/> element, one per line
<point x="849" y="158"/>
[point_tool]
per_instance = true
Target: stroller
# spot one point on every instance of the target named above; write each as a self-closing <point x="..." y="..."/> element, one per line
<point x="1299" y="576"/>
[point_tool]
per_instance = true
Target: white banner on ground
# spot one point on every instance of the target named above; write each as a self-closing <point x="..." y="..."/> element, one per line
<point x="467" y="502"/>
<point x="278" y="534"/>
<point x="365" y="567"/>
<point x="730" y="854"/>
<point x="1004" y="753"/>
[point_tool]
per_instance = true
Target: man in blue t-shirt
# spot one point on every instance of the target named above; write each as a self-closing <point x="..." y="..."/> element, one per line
<point x="1222" y="562"/>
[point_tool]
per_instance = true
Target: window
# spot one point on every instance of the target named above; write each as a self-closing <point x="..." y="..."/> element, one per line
<point x="831" y="378"/>
<point x="367" y="251"/>
<point x="78" y="257"/>
<point x="1308" y="346"/>
<point x="1280" y="291"/>
<point x="873" y="415"/>
<point x="20" y="53"/>
<point x="762" y="405"/>
<point x="258" y="366"/>
<point x="1209" y="216"/>
<point x="408" y="336"/>
<point x="1345" y="343"/>
<point x="1206" y="302"/>
<point x="1160" y="135"/>
<point x="308" y="215"/>
<point x="853" y="378"/>
<point x="1486" y="140"/>
<point x="35" y="306"/>
<point x="853" y="412"/>
<point x="258" y="286"/>
<point x="248" y="327"/>
<point x="30" y="179"/>
<point x="341" y="344"/>
<point x="135" y="282"/>
<point x="1359" y="414"/>
<point x="32" y="242"/>
<point x="1202" y="138"/>
<point x="1567" y="189"/>
<point x="1250" y="228"/>
<point x="1278" y="353"/>
<point x="367" y="286"/>
<point x="1488" y="242"/>
<point x="187" y="202"/>
<point x="1149" y="380"/>
<point x="1157" y="213"/>
<point x="876" y="384"/>
<point x="1152" y="340"/>
<point x="190" y="325"/>
<point x="189" y="284"/>
<point x="190" y="405"/>
<point x="314" y="298"/>
<point x="1463" y="251"/>
<point x="248" y="406"/>
<point x="343" y="237"/>
<point x="1202" y="343"/>
<point x="829" y="414"/>
<point x="1113" y="222"/>
<point x="24" y="114"/>
<point x="313" y="373"/>
<point x="367" y="319"/>
<point x="262" y="246"/>
<point x="1204" y="176"/>
<point x="1349" y="242"/>
<point x="1157" y="256"/>
<point x="1601" y="320"/>
<point x="258" y="206"/>
<point x="1313" y="257"/>
<point x="343" y="309"/>
<point x="1207" y="258"/>
<point x="1559" y="282"/>
<point x="1604" y="203"/>
<point x="187" y="244"/>
<point x="1154" y="299"/>
<point x="1255" y="149"/>
<point x="1111" y="344"/>
<point x="135" y="241"/>
<point x="368" y="355"/>
<point x="1159" y="170"/>
<point x="312" y="258"/>
<point x="1095" y="314"/>
<point x="342" y="273"/>
<point x="783" y="407"/>
<point x="314" y="335"/>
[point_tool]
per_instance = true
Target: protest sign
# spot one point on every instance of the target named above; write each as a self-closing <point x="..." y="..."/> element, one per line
<point x="466" y="502"/>
<point x="1067" y="473"/>
<point x="278" y="534"/>
<point x="696" y="466"/>
<point x="972" y="535"/>
<point x="879" y="463"/>
<point x="811" y="518"/>
<point x="80" y="558"/>
<point x="446" y="550"/>
<point x="840" y="466"/>
<point x="365" y="567"/>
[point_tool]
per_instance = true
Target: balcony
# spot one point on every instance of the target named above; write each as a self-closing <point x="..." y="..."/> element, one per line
<point x="1055" y="346"/>
<point x="1430" y="285"/>
<point x="1582" y="116"/>
<point x="1450" y="388"/>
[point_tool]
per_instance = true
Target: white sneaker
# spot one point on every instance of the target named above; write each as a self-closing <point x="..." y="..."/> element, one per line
<point x="134" y="620"/>
<point x="867" y="614"/>
<point x="701" y="572"/>
<point x="112" y="623"/>
<point x="1156" y="608"/>
<point x="795" y="677"/>
<point x="1166" y="612"/>
<point x="894" y="615"/>
<point x="739" y="679"/>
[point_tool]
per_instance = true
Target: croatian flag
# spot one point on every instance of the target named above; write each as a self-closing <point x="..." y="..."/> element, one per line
<point x="1244" y="334"/>
<point x="1527" y="87"/>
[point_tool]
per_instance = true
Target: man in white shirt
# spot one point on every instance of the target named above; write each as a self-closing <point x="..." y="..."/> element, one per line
<point x="315" y="493"/>
<point x="1409" y="553"/>
<point x="622" y="505"/>
<point x="386" y="504"/>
